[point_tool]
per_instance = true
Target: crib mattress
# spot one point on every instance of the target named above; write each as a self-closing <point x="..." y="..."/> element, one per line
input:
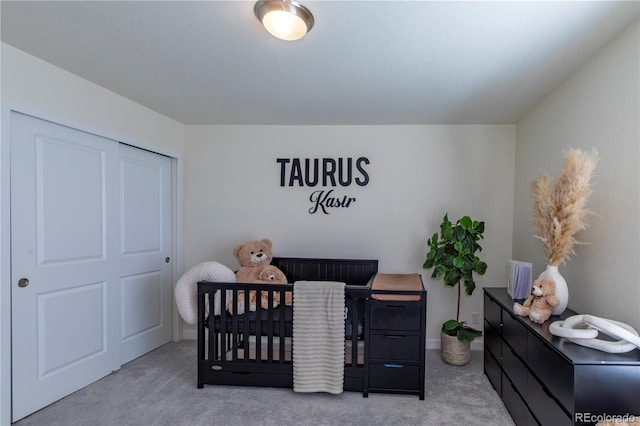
<point x="348" y="355"/>
<point x="252" y="317"/>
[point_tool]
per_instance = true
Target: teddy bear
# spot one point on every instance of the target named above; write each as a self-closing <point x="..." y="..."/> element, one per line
<point x="255" y="267"/>
<point x="539" y="306"/>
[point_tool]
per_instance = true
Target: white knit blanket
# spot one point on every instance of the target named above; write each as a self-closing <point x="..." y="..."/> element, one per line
<point x="318" y="336"/>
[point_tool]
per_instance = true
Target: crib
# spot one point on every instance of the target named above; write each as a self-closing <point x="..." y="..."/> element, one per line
<point x="254" y="349"/>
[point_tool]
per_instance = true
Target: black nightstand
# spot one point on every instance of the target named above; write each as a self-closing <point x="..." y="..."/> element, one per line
<point x="395" y="349"/>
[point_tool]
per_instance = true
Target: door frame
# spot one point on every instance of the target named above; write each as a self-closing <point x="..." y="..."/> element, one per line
<point x="5" y="230"/>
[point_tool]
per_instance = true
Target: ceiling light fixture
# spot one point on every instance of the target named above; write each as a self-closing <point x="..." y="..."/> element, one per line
<point x="284" y="19"/>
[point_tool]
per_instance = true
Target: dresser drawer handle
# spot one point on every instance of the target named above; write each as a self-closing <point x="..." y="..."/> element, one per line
<point x="393" y="366"/>
<point x="393" y="336"/>
<point x="395" y="306"/>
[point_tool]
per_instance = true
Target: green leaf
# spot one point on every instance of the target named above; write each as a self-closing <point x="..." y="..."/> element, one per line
<point x="451" y="326"/>
<point x="437" y="273"/>
<point x="468" y="334"/>
<point x="466" y="222"/>
<point x="480" y="268"/>
<point x="469" y="286"/>
<point x="458" y="234"/>
<point x="458" y="262"/>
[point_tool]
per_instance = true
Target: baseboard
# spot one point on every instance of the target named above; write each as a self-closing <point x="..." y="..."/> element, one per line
<point x="476" y="345"/>
<point x="189" y="334"/>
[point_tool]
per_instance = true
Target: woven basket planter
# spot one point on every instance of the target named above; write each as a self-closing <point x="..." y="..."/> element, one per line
<point x="453" y="351"/>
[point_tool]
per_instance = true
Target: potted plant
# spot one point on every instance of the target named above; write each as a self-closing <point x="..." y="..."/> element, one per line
<point x="452" y="255"/>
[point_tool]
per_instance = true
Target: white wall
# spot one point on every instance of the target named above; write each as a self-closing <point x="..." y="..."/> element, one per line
<point x="417" y="174"/>
<point x="38" y="88"/>
<point x="597" y="107"/>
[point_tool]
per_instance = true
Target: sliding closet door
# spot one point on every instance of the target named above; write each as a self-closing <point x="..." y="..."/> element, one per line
<point x="145" y="250"/>
<point x="90" y="258"/>
<point x="65" y="292"/>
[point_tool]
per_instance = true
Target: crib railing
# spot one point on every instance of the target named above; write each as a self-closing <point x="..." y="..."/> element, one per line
<point x="254" y="347"/>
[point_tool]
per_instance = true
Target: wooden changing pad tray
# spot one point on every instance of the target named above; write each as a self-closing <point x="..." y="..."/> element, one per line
<point x="396" y="282"/>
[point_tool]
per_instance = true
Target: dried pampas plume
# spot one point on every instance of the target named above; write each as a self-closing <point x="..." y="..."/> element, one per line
<point x="560" y="208"/>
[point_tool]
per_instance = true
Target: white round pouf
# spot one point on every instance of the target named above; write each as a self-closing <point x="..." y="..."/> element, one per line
<point x="186" y="288"/>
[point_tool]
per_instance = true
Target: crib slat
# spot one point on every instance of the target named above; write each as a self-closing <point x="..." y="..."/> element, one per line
<point x="258" y="326"/>
<point x="246" y="327"/>
<point x="270" y="332"/>
<point x="281" y="334"/>
<point x="211" y="330"/>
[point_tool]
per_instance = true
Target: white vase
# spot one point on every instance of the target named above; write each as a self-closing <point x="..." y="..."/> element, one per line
<point x="562" y="291"/>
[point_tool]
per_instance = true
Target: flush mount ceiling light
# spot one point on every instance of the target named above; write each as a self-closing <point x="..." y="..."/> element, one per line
<point x="284" y="19"/>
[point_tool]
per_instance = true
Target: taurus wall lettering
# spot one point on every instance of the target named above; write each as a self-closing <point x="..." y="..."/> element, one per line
<point x="327" y="172"/>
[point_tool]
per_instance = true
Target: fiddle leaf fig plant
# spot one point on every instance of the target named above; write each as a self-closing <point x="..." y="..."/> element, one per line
<point x="452" y="255"/>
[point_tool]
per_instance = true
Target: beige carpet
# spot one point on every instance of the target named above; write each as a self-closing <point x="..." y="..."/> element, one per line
<point x="160" y="389"/>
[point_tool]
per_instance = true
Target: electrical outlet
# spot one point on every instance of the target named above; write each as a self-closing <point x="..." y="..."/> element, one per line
<point x="475" y="318"/>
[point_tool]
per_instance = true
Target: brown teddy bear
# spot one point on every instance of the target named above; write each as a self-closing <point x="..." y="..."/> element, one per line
<point x="255" y="267"/>
<point x="539" y="306"/>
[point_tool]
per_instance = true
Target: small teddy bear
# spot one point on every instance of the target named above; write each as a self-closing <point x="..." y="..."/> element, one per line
<point x="539" y="306"/>
<point x="255" y="267"/>
<point x="274" y="275"/>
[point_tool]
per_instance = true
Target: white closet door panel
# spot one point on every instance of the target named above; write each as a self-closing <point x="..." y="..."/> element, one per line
<point x="146" y="285"/>
<point x="64" y="241"/>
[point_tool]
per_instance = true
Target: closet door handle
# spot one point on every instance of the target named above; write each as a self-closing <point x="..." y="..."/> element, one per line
<point x="23" y="282"/>
<point x="167" y="259"/>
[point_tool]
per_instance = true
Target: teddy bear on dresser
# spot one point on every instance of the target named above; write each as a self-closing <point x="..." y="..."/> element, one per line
<point x="255" y="267"/>
<point x="539" y="306"/>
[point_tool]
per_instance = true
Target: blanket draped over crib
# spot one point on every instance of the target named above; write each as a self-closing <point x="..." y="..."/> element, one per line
<point x="318" y="336"/>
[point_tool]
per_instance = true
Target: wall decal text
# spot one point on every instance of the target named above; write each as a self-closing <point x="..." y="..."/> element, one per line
<point x="328" y="173"/>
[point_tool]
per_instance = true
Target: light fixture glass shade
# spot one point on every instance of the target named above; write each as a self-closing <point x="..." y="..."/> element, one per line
<point x="284" y="19"/>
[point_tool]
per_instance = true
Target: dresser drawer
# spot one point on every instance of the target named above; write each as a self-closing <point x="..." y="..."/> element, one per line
<point x="514" y="369"/>
<point x="394" y="347"/>
<point x="516" y="406"/>
<point x="552" y="370"/>
<point x="492" y="340"/>
<point x="394" y="376"/>
<point x="493" y="371"/>
<point x="390" y="315"/>
<point x="492" y="313"/>
<point x="544" y="407"/>
<point x="515" y="334"/>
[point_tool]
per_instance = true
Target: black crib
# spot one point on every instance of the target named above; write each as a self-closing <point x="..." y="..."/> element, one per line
<point x="254" y="349"/>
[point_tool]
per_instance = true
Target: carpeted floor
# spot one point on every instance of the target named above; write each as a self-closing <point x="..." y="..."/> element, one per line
<point x="160" y="389"/>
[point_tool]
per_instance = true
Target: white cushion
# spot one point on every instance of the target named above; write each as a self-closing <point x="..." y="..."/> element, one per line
<point x="186" y="288"/>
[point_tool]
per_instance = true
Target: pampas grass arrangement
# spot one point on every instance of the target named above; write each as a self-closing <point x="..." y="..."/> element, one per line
<point x="560" y="208"/>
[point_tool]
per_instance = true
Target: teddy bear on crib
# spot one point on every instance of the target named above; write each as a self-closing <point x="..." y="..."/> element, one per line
<point x="539" y="306"/>
<point x="255" y="267"/>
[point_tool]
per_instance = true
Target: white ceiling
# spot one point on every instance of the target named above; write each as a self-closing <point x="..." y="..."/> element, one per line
<point x="364" y="62"/>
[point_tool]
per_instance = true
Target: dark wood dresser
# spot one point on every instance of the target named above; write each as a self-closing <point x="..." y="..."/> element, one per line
<point x="548" y="380"/>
